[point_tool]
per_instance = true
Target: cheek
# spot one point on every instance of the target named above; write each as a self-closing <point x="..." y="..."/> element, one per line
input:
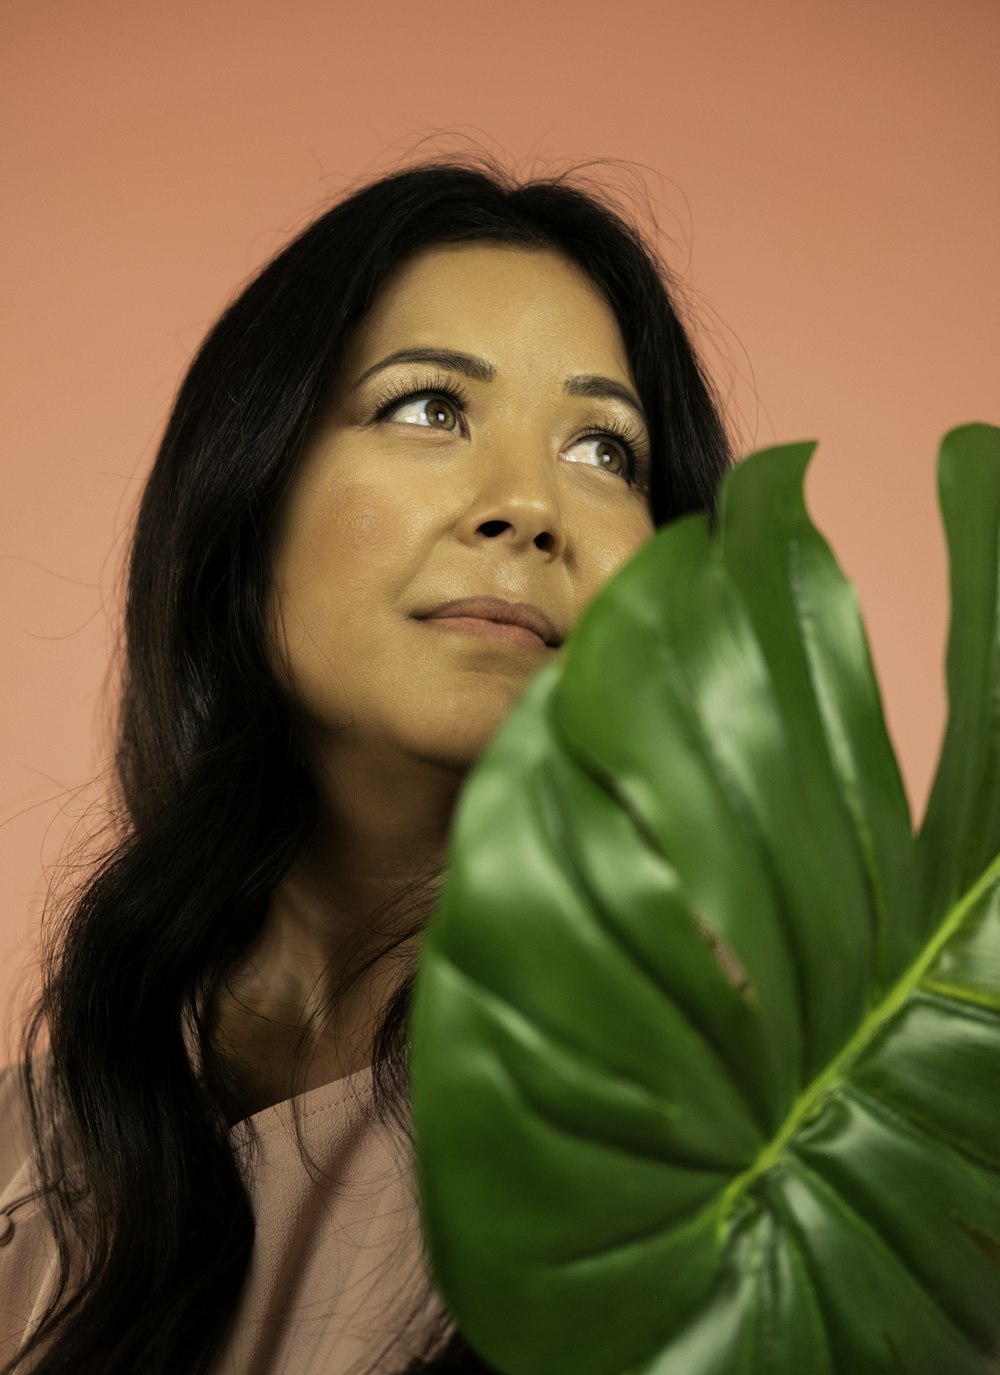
<point x="604" y="557"/>
<point x="333" y="569"/>
<point x="606" y="563"/>
<point x="359" y="530"/>
<point x="344" y="529"/>
<point x="345" y="543"/>
<point x="612" y="554"/>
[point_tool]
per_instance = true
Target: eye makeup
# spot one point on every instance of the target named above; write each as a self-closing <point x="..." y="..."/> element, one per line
<point x="606" y="425"/>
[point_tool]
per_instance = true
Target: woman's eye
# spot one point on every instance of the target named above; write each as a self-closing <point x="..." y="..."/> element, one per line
<point x="438" y="409"/>
<point x="426" y="407"/>
<point x="609" y="452"/>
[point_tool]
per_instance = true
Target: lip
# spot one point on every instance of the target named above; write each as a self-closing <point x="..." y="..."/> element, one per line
<point x="502" y="613"/>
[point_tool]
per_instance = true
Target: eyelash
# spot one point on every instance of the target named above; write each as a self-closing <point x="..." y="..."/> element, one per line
<point x="629" y="437"/>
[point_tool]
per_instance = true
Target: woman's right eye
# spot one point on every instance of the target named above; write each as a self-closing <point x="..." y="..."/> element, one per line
<point x="432" y="409"/>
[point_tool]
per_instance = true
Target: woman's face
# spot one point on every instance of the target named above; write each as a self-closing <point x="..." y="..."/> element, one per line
<point x="401" y="503"/>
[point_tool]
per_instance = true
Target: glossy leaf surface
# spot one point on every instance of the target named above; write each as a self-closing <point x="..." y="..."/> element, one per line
<point x="705" y="1042"/>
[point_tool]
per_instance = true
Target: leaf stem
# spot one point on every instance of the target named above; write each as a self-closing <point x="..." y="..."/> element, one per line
<point x="810" y="1102"/>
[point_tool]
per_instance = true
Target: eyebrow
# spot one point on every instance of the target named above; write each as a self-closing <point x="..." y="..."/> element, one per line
<point x="581" y="384"/>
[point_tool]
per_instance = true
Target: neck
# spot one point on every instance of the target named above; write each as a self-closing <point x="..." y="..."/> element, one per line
<point x="380" y="830"/>
<point x="285" y="1017"/>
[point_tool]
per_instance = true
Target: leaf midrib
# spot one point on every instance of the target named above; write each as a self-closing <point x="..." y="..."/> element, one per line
<point x="809" y="1102"/>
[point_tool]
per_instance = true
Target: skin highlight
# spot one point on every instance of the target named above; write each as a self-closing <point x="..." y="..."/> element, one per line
<point x="397" y="505"/>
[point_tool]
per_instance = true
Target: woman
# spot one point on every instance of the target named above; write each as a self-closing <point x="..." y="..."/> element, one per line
<point x="450" y="386"/>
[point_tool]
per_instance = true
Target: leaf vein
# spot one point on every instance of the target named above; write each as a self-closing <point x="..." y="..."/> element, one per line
<point x="919" y="1127"/>
<point x="620" y="941"/>
<point x="869" y="1226"/>
<point x="510" y="1014"/>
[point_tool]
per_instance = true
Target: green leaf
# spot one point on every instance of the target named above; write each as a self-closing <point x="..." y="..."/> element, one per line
<point x="961" y="831"/>
<point x="705" y="1045"/>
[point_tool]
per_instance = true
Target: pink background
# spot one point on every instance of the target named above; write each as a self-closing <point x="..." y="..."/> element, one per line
<point x="824" y="177"/>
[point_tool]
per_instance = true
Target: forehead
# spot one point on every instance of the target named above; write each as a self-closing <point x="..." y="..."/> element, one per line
<point x="523" y="306"/>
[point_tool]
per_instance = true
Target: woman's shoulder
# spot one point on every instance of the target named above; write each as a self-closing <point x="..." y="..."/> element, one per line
<point x="14" y="1125"/>
<point x="17" y="1176"/>
<point x="22" y="1207"/>
<point x="28" y="1258"/>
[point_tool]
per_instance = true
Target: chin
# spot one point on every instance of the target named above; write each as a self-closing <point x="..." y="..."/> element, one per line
<point x="460" y="751"/>
<point x="458" y="738"/>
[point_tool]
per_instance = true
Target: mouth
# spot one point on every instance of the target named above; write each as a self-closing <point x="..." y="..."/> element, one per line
<point x="490" y="616"/>
<point x="503" y="632"/>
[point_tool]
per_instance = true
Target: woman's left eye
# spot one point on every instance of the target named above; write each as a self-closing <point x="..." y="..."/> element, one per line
<point x="610" y="449"/>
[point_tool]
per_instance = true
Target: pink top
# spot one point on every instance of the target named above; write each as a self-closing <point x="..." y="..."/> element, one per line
<point x="336" y="1267"/>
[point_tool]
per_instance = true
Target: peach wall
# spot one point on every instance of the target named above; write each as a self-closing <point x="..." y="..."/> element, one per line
<point x="825" y="176"/>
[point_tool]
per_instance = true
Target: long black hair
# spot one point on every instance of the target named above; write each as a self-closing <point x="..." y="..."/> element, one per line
<point x="130" y="1121"/>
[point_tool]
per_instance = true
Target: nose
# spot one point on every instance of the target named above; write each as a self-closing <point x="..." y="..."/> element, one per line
<point x="517" y="500"/>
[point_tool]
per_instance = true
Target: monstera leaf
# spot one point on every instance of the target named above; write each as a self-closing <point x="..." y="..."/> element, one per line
<point x="705" y="1043"/>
